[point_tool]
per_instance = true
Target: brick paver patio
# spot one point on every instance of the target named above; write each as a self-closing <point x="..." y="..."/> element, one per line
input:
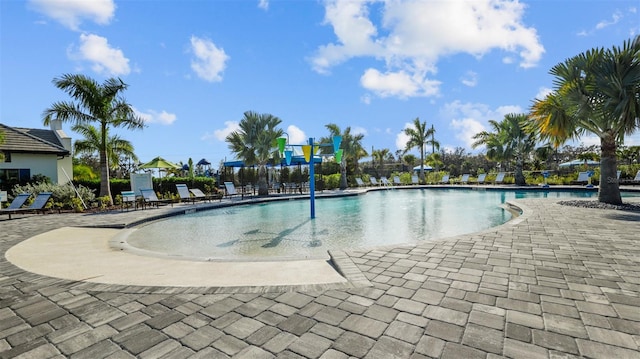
<point x="557" y="282"/>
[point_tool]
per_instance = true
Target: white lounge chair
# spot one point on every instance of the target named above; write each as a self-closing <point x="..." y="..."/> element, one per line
<point x="499" y="178"/>
<point x="385" y="181"/>
<point x="445" y="179"/>
<point x="230" y="189"/>
<point x="481" y="178"/>
<point x="415" y="179"/>
<point x="396" y="181"/>
<point x="150" y="198"/>
<point x="359" y="182"/>
<point x="183" y="192"/>
<point x="583" y="177"/>
<point x="374" y="181"/>
<point x="465" y="178"/>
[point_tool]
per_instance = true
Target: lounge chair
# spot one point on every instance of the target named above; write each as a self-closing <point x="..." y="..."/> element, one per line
<point x="396" y="181"/>
<point x="583" y="177"/>
<point x="445" y="179"/>
<point x="37" y="206"/>
<point x="415" y="179"/>
<point x="499" y="178"/>
<point x="185" y="195"/>
<point x="16" y="204"/>
<point x="200" y="196"/>
<point x="385" y="181"/>
<point x="128" y="200"/>
<point x="149" y="197"/>
<point x="374" y="181"/>
<point x="359" y="182"/>
<point x="481" y="178"/>
<point x="465" y="178"/>
<point x="230" y="188"/>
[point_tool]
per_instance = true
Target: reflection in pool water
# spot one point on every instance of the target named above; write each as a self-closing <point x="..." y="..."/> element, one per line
<point x="283" y="228"/>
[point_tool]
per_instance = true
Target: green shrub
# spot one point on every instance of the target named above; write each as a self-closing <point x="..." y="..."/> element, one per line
<point x="62" y="196"/>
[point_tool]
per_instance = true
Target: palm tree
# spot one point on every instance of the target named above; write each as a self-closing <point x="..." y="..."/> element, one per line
<point x="419" y="137"/>
<point x="380" y="156"/>
<point x="509" y="141"/>
<point x="96" y="103"/>
<point x="255" y="142"/>
<point x="596" y="92"/>
<point x="352" y="150"/>
<point x="117" y="148"/>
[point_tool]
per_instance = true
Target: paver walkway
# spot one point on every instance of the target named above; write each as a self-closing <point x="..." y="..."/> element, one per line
<point x="558" y="282"/>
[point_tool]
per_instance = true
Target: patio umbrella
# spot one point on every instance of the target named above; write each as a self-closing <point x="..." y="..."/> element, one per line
<point x="159" y="163"/>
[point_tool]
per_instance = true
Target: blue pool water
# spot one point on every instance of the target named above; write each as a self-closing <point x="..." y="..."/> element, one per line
<point x="283" y="229"/>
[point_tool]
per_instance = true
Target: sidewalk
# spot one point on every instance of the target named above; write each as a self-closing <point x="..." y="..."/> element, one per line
<point x="556" y="282"/>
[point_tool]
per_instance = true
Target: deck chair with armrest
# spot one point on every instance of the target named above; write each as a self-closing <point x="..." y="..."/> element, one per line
<point x="465" y="178"/>
<point x="200" y="196"/>
<point x="481" y="178"/>
<point x="37" y="206"/>
<point x="374" y="181"/>
<point x="499" y="178"/>
<point x="16" y="204"/>
<point x="128" y="200"/>
<point x="396" y="181"/>
<point x="230" y="189"/>
<point x="445" y="179"/>
<point x="184" y="194"/>
<point x="150" y="198"/>
<point x="359" y="182"/>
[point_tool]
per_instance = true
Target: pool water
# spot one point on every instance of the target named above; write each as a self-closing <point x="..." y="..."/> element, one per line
<point x="283" y="229"/>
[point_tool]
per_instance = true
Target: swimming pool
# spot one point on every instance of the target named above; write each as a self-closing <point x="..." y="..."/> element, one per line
<point x="282" y="229"/>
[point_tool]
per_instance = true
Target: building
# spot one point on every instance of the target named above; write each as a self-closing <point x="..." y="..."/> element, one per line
<point x="31" y="151"/>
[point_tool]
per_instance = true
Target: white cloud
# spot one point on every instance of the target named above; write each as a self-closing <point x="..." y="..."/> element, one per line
<point x="357" y="130"/>
<point x="402" y="138"/>
<point x="263" y="4"/>
<point x="221" y="134"/>
<point x="296" y="135"/>
<point x="470" y="79"/>
<point x="467" y="119"/>
<point x="151" y="116"/>
<point x="398" y="84"/>
<point x="104" y="59"/>
<point x="543" y="92"/>
<point x="413" y="35"/>
<point x="70" y="13"/>
<point x="606" y="23"/>
<point x="209" y="61"/>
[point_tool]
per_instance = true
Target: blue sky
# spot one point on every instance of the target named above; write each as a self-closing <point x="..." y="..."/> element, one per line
<point x="194" y="67"/>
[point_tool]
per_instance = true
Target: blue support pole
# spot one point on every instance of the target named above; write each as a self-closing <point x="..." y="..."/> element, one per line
<point x="312" y="182"/>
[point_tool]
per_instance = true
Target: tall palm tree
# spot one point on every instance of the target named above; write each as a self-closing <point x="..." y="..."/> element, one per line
<point x="595" y="92"/>
<point x="96" y="103"/>
<point x="419" y="137"/>
<point x="352" y="150"/>
<point x="255" y="142"/>
<point x="509" y="141"/>
<point x="116" y="146"/>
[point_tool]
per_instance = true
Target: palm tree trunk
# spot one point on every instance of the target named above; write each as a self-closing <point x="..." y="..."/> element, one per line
<point x="520" y="180"/>
<point x="263" y="189"/>
<point x="609" y="190"/>
<point x="343" y="176"/>
<point x="105" y="188"/>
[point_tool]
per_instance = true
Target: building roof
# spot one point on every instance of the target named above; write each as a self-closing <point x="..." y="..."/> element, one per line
<point x="31" y="140"/>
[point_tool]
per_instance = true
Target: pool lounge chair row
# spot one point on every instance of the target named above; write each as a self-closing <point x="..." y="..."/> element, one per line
<point x="18" y="202"/>
<point x="148" y="197"/>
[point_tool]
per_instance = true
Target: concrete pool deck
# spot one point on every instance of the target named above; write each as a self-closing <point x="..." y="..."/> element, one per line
<point x="559" y="282"/>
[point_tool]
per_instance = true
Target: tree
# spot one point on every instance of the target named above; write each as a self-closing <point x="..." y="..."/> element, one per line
<point x="509" y="141"/>
<point x="352" y="150"/>
<point x="380" y="156"/>
<point x="595" y="92"/>
<point x="96" y="103"/>
<point x="117" y="148"/>
<point x="255" y="142"/>
<point x="419" y="137"/>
